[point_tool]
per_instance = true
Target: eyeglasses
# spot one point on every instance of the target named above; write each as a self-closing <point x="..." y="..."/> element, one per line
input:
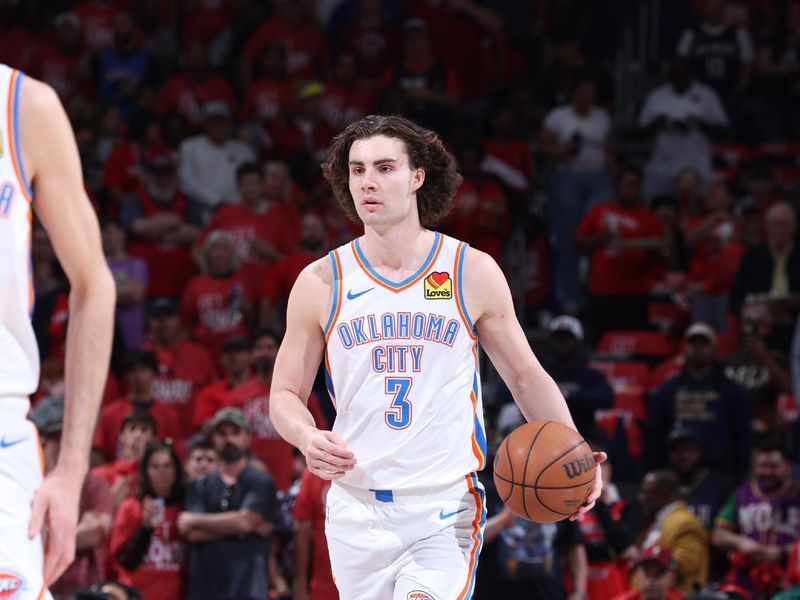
<point x="226" y="497"/>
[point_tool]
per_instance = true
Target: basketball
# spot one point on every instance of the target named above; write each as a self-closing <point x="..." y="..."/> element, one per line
<point x="544" y="471"/>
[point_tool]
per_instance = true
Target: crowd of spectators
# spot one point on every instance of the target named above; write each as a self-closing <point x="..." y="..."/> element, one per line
<point x="654" y="264"/>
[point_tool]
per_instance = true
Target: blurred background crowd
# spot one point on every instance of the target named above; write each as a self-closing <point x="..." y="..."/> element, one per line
<point x="634" y="167"/>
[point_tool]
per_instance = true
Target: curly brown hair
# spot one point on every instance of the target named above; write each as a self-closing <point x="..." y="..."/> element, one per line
<point x="425" y="151"/>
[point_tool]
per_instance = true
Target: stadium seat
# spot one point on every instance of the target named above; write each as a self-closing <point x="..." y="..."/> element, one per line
<point x="665" y="370"/>
<point x="787" y="408"/>
<point x="642" y="343"/>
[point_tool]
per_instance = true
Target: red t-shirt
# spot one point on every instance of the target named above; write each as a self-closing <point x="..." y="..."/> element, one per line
<point x="187" y="96"/>
<point x="245" y="227"/>
<point x="284" y="273"/>
<point x="205" y="20"/>
<point x="106" y="434"/>
<point x="310" y="506"/>
<point x="57" y="69"/>
<point x="182" y="372"/>
<point x="480" y="215"/>
<point x="290" y="139"/>
<point x="214" y="308"/>
<point x="306" y="53"/>
<point x="615" y="271"/>
<point x="89" y="564"/>
<point x="97" y="22"/>
<point x="514" y="153"/>
<point x="266" y="99"/>
<point x="111" y="472"/>
<point x="209" y="400"/>
<point x="284" y="224"/>
<point x="160" y="574"/>
<point x="376" y="46"/>
<point x="253" y="398"/>
<point x="716" y="258"/>
<point x="672" y="594"/>
<point x="341" y="105"/>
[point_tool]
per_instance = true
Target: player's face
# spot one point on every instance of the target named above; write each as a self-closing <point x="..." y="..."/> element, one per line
<point x="771" y="470"/>
<point x="161" y="473"/>
<point x="382" y="182"/>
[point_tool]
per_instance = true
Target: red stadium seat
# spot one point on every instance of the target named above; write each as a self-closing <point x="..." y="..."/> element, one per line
<point x="647" y="344"/>
<point x="625" y="376"/>
<point x="665" y="370"/>
<point x="617" y="418"/>
<point x="667" y="317"/>
<point x="787" y="408"/>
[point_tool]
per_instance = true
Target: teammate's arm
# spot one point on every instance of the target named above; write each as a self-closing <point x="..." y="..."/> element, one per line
<point x="489" y="304"/>
<point x="51" y="159"/>
<point x="295" y="368"/>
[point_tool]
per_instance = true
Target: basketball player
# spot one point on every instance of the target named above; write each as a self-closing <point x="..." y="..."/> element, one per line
<point x="398" y="313"/>
<point x="40" y="170"/>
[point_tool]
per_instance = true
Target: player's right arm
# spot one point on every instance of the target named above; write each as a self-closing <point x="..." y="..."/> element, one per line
<point x="296" y="366"/>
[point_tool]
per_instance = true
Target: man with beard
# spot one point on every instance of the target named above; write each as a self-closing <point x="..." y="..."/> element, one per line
<point x="252" y="397"/>
<point x="229" y="516"/>
<point x="761" y="519"/>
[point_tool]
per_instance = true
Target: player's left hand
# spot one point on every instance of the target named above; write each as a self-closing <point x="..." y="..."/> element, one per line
<point x="55" y="514"/>
<point x="599" y="458"/>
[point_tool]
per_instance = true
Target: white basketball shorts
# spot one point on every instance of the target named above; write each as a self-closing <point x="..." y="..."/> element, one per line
<point x="21" y="559"/>
<point x="420" y="545"/>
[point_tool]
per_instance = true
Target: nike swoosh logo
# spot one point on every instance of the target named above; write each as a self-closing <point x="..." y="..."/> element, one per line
<point x="352" y="296"/>
<point x="443" y="515"/>
<point x="7" y="444"/>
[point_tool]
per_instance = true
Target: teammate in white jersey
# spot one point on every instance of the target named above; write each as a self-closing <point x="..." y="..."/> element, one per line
<point x="398" y="314"/>
<point x="40" y="171"/>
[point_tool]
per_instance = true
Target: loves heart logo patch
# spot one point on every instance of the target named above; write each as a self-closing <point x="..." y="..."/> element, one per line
<point x="10" y="585"/>
<point x="438" y="286"/>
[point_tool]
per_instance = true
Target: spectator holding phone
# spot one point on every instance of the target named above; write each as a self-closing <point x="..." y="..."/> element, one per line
<point x="144" y="541"/>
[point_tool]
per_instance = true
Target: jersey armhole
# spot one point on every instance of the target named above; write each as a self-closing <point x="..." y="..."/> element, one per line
<point x="458" y="272"/>
<point x="13" y="128"/>
<point x="336" y="305"/>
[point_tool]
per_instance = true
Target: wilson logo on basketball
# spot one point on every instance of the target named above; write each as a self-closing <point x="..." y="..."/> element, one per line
<point x="574" y="468"/>
<point x="10" y="584"/>
<point x="438" y="286"/>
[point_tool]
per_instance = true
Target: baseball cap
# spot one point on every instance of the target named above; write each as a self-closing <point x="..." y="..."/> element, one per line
<point x="235" y="343"/>
<point x="657" y="554"/>
<point x="702" y="330"/>
<point x="216" y="108"/>
<point x="682" y="433"/>
<point x="568" y="324"/>
<point x="230" y="414"/>
<point x="67" y="18"/>
<point x="415" y="23"/>
<point x="163" y="306"/>
<point x="310" y="90"/>
<point x="48" y="415"/>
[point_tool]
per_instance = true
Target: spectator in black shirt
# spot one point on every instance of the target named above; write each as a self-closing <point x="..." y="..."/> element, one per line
<point x="229" y="517"/>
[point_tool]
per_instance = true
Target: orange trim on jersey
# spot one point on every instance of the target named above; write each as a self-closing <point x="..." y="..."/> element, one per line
<point x="476" y="446"/>
<point x="12" y="133"/>
<point x="476" y="530"/>
<point x="337" y="300"/>
<point x="420" y="274"/>
<point x="31" y="291"/>
<point x="41" y="592"/>
<point x="457" y="288"/>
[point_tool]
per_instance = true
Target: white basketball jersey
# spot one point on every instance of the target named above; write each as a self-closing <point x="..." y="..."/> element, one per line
<point x="401" y="369"/>
<point x="19" y="357"/>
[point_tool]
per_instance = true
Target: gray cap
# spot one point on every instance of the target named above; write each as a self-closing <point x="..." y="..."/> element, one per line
<point x="217" y="109"/>
<point x="568" y="324"/>
<point x="230" y="414"/>
<point x="48" y="415"/>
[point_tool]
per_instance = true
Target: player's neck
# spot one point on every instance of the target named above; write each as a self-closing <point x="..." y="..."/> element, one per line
<point x="398" y="247"/>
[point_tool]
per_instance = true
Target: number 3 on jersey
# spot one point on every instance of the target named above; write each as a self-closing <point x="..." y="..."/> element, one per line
<point x="399" y="415"/>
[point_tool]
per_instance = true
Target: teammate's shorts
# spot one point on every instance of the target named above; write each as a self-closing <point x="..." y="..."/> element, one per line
<point x="21" y="559"/>
<point x="420" y="545"/>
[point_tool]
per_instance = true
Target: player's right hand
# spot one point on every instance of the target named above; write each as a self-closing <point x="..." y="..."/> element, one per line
<point x="327" y="456"/>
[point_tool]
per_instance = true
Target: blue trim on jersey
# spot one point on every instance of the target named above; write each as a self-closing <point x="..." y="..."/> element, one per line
<point x="425" y="265"/>
<point x="15" y="141"/>
<point x="383" y="495"/>
<point x="461" y="252"/>
<point x="329" y="384"/>
<point x="335" y="303"/>
<point x="478" y="488"/>
<point x="480" y="434"/>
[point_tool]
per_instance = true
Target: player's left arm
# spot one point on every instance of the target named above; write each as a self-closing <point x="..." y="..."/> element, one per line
<point x="489" y="304"/>
<point x="51" y="161"/>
